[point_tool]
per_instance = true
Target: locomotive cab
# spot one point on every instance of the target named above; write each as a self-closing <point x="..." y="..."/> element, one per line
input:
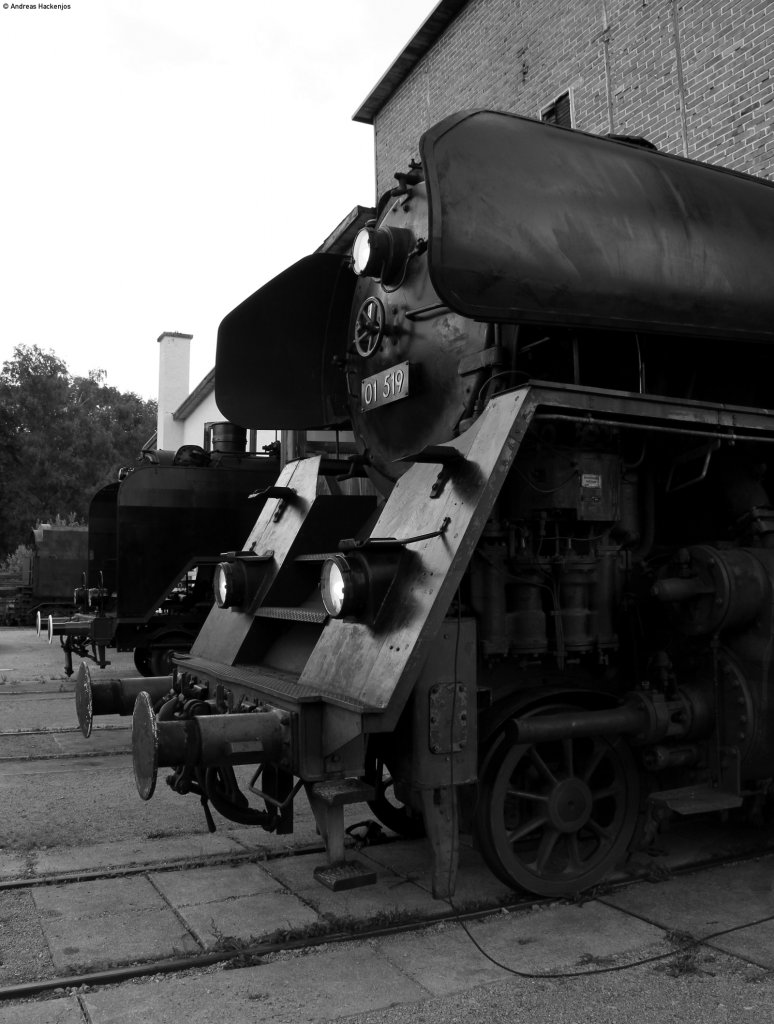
<point x="553" y="616"/>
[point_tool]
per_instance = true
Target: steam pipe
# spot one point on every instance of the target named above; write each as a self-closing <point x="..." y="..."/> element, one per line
<point x="631" y="718"/>
<point x="646" y="717"/>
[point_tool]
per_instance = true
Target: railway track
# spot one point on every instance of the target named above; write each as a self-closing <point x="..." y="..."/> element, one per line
<point x="242" y="906"/>
<point x="63" y="743"/>
<point x="330" y="928"/>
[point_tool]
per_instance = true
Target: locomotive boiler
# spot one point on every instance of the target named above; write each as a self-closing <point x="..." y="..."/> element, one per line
<point x="554" y="621"/>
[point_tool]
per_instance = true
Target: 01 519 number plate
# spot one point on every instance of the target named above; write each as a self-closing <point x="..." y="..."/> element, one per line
<point x="386" y="386"/>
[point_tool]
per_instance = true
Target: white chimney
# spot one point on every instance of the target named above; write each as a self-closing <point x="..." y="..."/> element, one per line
<point x="174" y="386"/>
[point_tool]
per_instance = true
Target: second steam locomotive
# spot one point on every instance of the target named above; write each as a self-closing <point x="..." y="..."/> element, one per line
<point x="553" y="619"/>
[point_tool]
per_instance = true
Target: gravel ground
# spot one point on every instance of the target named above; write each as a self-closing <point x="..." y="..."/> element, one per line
<point x="59" y="802"/>
<point x="44" y="804"/>
<point x="24" y="952"/>
<point x="715" y="988"/>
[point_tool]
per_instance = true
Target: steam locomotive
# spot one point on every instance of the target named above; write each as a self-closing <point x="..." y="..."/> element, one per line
<point x="154" y="538"/>
<point x="43" y="582"/>
<point x="554" y="623"/>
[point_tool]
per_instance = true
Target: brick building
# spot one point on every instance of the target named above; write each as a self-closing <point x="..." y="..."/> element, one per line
<point x="694" y="77"/>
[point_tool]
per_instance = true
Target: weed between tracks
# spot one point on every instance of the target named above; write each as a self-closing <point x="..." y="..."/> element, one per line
<point x="251" y="951"/>
<point x="686" y="958"/>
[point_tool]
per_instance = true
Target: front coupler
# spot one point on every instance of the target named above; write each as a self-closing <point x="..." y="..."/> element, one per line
<point x="76" y="635"/>
<point x="112" y="696"/>
<point x="203" y="741"/>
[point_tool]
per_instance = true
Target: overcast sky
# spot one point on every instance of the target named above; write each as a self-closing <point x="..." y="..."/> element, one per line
<point x="164" y="158"/>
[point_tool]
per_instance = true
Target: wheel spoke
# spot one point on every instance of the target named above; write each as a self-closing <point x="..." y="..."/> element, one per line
<point x="569" y="756"/>
<point x="605" y="834"/>
<point x="546" y="848"/>
<point x="529" y="826"/>
<point x="616" y="788"/>
<point x="573" y="850"/>
<point x="541" y="765"/>
<point x="597" y="754"/>
<point x="524" y="794"/>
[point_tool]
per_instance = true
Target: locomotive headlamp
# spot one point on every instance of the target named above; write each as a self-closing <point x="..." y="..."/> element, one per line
<point x="235" y="582"/>
<point x="344" y="586"/>
<point x="361" y="251"/>
<point x="223" y="585"/>
<point x="357" y="583"/>
<point x="382" y="253"/>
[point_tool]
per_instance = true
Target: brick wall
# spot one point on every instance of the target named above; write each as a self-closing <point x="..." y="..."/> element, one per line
<point x="693" y="77"/>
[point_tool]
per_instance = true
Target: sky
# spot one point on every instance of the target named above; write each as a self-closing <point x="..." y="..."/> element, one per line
<point x="162" y="159"/>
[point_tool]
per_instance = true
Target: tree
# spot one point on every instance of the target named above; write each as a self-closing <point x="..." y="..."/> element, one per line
<point x="61" y="438"/>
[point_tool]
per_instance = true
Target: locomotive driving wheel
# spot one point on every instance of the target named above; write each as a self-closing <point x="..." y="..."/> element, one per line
<point x="163" y="647"/>
<point x="142" y="656"/>
<point x="386" y="805"/>
<point x="555" y="817"/>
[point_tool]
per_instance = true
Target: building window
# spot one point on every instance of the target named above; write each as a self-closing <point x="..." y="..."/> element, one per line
<point x="559" y="112"/>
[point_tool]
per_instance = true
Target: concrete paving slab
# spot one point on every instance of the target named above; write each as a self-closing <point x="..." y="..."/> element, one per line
<point x="52" y="1011"/>
<point x="713" y="900"/>
<point x="90" y="901"/>
<point x="755" y="944"/>
<point x="305" y="831"/>
<point x="121" y="938"/>
<point x="391" y="898"/>
<point x="441" y="959"/>
<point x="13" y="865"/>
<point x="100" y="856"/>
<point x="195" y="887"/>
<point x="566" y="938"/>
<point x="407" y="858"/>
<point x="717" y="898"/>
<point x="476" y="885"/>
<point x="251" y="918"/>
<point x="321" y="985"/>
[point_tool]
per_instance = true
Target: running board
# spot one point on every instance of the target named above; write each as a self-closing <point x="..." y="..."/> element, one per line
<point x="291" y="614"/>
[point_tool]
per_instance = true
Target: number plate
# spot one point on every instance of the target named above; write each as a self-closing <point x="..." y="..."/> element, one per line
<point x="386" y="386"/>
